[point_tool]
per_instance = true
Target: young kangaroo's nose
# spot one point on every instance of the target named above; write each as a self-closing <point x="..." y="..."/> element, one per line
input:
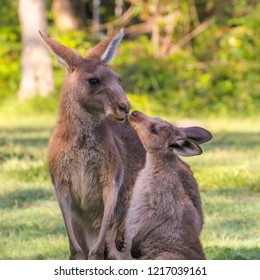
<point x="123" y="107"/>
<point x="134" y="113"/>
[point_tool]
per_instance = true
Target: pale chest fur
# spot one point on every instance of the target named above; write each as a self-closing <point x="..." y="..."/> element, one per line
<point x="159" y="194"/>
<point x="87" y="167"/>
<point x="141" y="205"/>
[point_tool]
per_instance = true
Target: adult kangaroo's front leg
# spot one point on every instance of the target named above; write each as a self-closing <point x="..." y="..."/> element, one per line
<point x="64" y="199"/>
<point x="109" y="198"/>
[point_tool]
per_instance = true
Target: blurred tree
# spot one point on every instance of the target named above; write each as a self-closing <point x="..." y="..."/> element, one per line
<point x="63" y="15"/>
<point x="96" y="17"/>
<point x="119" y="4"/>
<point x="82" y="5"/>
<point x="36" y="63"/>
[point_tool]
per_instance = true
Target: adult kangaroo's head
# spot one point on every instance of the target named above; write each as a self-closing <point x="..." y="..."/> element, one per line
<point x="89" y="81"/>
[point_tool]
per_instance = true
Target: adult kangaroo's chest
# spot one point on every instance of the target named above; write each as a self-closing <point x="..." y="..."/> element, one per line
<point x="90" y="167"/>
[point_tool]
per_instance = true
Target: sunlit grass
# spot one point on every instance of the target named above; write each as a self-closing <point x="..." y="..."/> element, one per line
<point x="228" y="173"/>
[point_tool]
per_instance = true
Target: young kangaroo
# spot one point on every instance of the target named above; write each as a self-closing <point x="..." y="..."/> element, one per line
<point x="164" y="219"/>
<point x="92" y="165"/>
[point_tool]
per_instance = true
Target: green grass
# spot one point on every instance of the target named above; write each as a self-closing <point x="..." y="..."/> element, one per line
<point x="228" y="173"/>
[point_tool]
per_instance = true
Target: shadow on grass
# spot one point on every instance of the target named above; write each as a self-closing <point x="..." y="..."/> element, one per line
<point x="23" y="198"/>
<point x="36" y="226"/>
<point x="23" y="143"/>
<point x="39" y="142"/>
<point x="22" y="130"/>
<point x="231" y="192"/>
<point x="25" y="137"/>
<point x="227" y="253"/>
<point x="58" y="254"/>
<point x="238" y="140"/>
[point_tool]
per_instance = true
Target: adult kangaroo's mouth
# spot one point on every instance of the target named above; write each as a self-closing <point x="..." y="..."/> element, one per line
<point x="116" y="119"/>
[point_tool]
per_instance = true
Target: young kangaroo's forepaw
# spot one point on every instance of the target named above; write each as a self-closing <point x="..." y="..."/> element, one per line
<point x="120" y="245"/>
<point x="120" y="238"/>
<point x="136" y="250"/>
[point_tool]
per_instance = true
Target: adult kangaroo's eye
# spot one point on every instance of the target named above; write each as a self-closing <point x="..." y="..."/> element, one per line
<point x="94" y="82"/>
<point x="153" y="129"/>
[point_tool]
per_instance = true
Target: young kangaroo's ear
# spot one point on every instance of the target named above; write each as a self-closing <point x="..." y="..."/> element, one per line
<point x="185" y="147"/>
<point x="106" y="49"/>
<point x="65" y="56"/>
<point x="197" y="134"/>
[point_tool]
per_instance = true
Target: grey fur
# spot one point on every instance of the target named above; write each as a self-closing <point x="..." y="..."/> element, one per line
<point x="91" y="162"/>
<point x="165" y="217"/>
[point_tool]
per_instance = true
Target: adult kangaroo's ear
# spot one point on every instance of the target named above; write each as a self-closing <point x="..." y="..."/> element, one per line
<point x="106" y="49"/>
<point x="65" y="56"/>
<point x="197" y="134"/>
<point x="185" y="147"/>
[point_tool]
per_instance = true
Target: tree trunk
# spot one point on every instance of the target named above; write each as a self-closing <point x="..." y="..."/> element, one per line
<point x="63" y="15"/>
<point x="119" y="8"/>
<point x="96" y="17"/>
<point x="82" y="10"/>
<point x="36" y="64"/>
<point x="155" y="28"/>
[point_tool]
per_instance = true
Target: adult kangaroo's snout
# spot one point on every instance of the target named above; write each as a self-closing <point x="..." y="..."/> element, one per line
<point x="124" y="107"/>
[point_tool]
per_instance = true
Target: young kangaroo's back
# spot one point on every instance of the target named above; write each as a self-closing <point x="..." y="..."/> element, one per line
<point x="165" y="218"/>
<point x="89" y="159"/>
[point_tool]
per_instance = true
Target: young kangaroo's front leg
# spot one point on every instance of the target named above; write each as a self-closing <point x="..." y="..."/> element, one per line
<point x="64" y="199"/>
<point x="147" y="228"/>
<point x="109" y="197"/>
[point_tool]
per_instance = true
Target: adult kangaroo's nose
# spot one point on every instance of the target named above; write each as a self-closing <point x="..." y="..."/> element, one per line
<point x="123" y="107"/>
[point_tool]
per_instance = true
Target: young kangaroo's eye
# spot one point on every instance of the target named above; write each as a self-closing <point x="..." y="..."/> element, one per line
<point x="94" y="82"/>
<point x="153" y="129"/>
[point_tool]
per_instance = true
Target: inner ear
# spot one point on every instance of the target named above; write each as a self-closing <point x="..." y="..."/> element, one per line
<point x="111" y="49"/>
<point x="197" y="134"/>
<point x="65" y="56"/>
<point x="105" y="50"/>
<point x="185" y="147"/>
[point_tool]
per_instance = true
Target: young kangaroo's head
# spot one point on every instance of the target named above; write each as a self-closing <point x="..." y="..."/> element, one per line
<point x="159" y="136"/>
<point x="89" y="80"/>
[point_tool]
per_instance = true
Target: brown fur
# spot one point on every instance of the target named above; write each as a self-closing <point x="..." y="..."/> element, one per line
<point x="165" y="217"/>
<point x="92" y="164"/>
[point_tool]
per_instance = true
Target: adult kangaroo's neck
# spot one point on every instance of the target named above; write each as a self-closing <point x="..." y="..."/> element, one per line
<point x="74" y="120"/>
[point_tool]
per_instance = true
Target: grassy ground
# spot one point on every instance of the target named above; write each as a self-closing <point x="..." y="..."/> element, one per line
<point x="228" y="173"/>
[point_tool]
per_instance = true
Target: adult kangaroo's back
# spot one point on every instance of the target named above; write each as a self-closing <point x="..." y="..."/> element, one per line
<point x="92" y="167"/>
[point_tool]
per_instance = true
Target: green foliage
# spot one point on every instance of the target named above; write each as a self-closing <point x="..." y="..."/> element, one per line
<point x="9" y="61"/>
<point x="219" y="76"/>
<point x="9" y="13"/>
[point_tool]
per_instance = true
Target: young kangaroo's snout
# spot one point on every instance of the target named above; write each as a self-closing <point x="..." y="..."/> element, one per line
<point x="160" y="136"/>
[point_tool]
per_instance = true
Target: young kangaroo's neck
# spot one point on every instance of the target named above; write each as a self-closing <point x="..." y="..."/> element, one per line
<point x="160" y="161"/>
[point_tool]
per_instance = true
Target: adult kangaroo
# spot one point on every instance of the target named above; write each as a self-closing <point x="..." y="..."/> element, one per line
<point x="91" y="162"/>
